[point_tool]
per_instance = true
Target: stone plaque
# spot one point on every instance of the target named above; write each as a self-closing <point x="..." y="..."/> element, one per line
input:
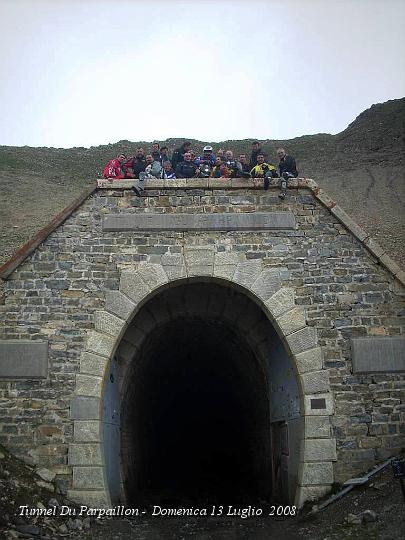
<point x="378" y="354"/>
<point x="196" y="222"/>
<point x="23" y="359"/>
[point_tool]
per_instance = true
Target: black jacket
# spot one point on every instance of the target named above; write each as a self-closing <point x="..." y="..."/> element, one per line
<point x="178" y="156"/>
<point x="287" y="164"/>
<point x="138" y="166"/>
<point x="186" y="169"/>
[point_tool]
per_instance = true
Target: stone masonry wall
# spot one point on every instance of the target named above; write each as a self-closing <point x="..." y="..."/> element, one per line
<point x="53" y="296"/>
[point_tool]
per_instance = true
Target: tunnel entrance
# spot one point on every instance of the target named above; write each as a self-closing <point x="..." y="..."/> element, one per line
<point x="198" y="415"/>
<point x="195" y="399"/>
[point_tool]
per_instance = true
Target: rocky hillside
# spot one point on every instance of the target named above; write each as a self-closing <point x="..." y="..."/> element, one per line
<point x="363" y="168"/>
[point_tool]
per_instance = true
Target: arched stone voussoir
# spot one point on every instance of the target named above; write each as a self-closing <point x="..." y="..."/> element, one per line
<point x="302" y="340"/>
<point x="292" y="321"/>
<point x="199" y="260"/>
<point x="153" y="275"/>
<point x="225" y="263"/>
<point x="267" y="283"/>
<point x="315" y="382"/>
<point x="93" y="364"/>
<point x="247" y="272"/>
<point x="133" y="286"/>
<point x="174" y="265"/>
<point x="310" y="360"/>
<point x="119" y="305"/>
<point x="106" y="323"/>
<point x="100" y="343"/>
<point x="88" y="385"/>
<point x="280" y="302"/>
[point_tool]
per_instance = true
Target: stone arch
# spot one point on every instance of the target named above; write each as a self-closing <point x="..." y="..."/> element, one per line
<point x="137" y="286"/>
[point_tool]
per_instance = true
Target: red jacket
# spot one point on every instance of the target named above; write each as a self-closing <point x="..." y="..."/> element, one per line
<point x="113" y="170"/>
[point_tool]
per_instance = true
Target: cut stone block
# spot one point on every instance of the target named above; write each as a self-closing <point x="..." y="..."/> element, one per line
<point x="85" y="454"/>
<point x="199" y="261"/>
<point x="99" y="343"/>
<point x="267" y="283"/>
<point x="133" y="286"/>
<point x="317" y="473"/>
<point x="86" y="430"/>
<point x="315" y="382"/>
<point x="310" y="360"/>
<point x="88" y="385"/>
<point x="318" y="404"/>
<point x="93" y="364"/>
<point x="106" y="323"/>
<point x="174" y="266"/>
<point x="153" y="275"/>
<point x="292" y="321"/>
<point x="85" y="408"/>
<point x="119" y="304"/>
<point x="247" y="272"/>
<point x="88" y="477"/>
<point x="317" y="427"/>
<point x="282" y="301"/>
<point x="303" y="340"/>
<point x="320" y="450"/>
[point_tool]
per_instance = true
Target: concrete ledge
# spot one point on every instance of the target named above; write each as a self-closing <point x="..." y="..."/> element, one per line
<point x="378" y="354"/>
<point x="21" y="359"/>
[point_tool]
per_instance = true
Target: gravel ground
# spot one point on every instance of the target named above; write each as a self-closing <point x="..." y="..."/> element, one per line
<point x="374" y="511"/>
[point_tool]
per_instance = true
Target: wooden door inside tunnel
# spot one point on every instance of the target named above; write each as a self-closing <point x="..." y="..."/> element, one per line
<point x="195" y="398"/>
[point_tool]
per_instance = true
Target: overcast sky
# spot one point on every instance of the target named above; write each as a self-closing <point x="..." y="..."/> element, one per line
<point x="90" y="72"/>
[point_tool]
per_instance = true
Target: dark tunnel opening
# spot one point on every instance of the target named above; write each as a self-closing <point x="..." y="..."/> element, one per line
<point x="195" y="416"/>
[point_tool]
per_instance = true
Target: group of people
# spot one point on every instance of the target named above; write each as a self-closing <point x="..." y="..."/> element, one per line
<point x="185" y="164"/>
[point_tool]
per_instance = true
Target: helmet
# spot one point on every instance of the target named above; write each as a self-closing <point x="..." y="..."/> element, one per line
<point x="207" y="148"/>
